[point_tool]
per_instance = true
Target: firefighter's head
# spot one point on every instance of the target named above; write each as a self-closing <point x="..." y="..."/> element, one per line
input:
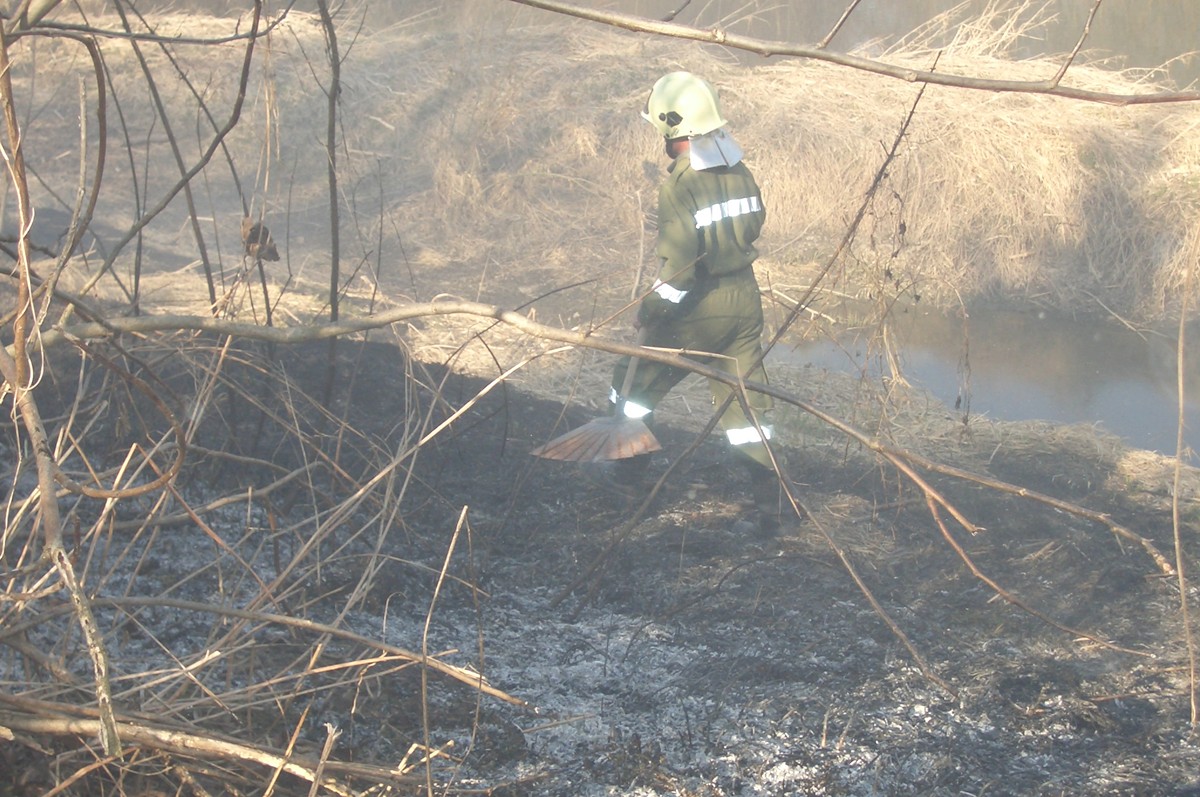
<point x="682" y="105"/>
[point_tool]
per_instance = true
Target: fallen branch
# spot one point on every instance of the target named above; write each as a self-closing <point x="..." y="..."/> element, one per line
<point x="583" y="339"/>
<point x="206" y="746"/>
<point x="468" y="677"/>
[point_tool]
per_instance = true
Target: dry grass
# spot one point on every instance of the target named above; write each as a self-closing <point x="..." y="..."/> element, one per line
<point x="504" y="161"/>
<point x="539" y="160"/>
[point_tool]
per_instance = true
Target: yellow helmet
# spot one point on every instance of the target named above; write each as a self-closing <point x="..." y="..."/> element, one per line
<point x="682" y="104"/>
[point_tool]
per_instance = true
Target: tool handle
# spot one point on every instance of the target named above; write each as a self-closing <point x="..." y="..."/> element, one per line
<point x="630" y="370"/>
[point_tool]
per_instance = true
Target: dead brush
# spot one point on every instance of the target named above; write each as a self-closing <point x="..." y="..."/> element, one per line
<point x="259" y="648"/>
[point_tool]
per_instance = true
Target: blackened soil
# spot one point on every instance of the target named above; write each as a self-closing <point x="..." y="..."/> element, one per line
<point x="869" y="647"/>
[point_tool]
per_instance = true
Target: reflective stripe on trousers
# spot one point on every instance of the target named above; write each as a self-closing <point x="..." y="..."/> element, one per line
<point x="746" y="435"/>
<point x="631" y="409"/>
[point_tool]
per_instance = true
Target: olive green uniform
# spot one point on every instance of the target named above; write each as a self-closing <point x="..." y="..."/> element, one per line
<point x="705" y="298"/>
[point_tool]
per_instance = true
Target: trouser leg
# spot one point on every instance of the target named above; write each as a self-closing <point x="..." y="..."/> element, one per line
<point x="652" y="381"/>
<point x="730" y="326"/>
<point x="765" y="488"/>
<point x="746" y="431"/>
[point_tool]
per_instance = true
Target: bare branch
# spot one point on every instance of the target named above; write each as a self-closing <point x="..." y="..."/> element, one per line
<point x="1176" y="513"/>
<point x="763" y="47"/>
<point x="16" y="373"/>
<point x="198" y="745"/>
<point x="1083" y="34"/>
<point x="838" y="26"/>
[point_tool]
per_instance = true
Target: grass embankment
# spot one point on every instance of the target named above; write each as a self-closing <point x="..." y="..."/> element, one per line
<point x="528" y="153"/>
<point x="500" y="162"/>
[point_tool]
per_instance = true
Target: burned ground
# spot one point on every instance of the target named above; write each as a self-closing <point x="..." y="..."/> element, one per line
<point x="700" y="660"/>
<point x="684" y="655"/>
<point x="672" y="651"/>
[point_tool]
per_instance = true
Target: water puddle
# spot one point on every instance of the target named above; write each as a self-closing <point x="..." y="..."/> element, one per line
<point x="1029" y="365"/>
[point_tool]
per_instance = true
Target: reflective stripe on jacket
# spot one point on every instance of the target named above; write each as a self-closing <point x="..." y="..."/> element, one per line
<point x="708" y="222"/>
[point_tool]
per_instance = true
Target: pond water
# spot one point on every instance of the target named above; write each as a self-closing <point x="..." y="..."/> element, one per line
<point x="1031" y="365"/>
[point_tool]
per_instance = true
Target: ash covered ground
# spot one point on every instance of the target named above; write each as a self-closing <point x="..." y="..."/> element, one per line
<point x="683" y="655"/>
<point x="670" y="650"/>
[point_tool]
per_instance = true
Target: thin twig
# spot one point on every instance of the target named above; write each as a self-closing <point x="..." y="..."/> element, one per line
<point x="1087" y="29"/>
<point x="433" y="599"/>
<point x="1176" y="520"/>
<point x="838" y="25"/>
<point x="332" y="92"/>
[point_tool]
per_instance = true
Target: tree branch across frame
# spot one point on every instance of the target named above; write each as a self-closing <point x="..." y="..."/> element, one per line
<point x="582" y="337"/>
<point x="1050" y="87"/>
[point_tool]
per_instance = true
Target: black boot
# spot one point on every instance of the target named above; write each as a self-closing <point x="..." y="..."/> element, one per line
<point x="631" y="472"/>
<point x="768" y="498"/>
<point x="623" y="477"/>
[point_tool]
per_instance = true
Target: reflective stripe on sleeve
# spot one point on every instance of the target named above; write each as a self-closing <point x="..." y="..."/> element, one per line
<point x="631" y="409"/>
<point x="748" y="434"/>
<point x="728" y="209"/>
<point x="672" y="295"/>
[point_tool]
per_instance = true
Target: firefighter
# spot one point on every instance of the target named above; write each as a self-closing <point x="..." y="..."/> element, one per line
<point x="705" y="297"/>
